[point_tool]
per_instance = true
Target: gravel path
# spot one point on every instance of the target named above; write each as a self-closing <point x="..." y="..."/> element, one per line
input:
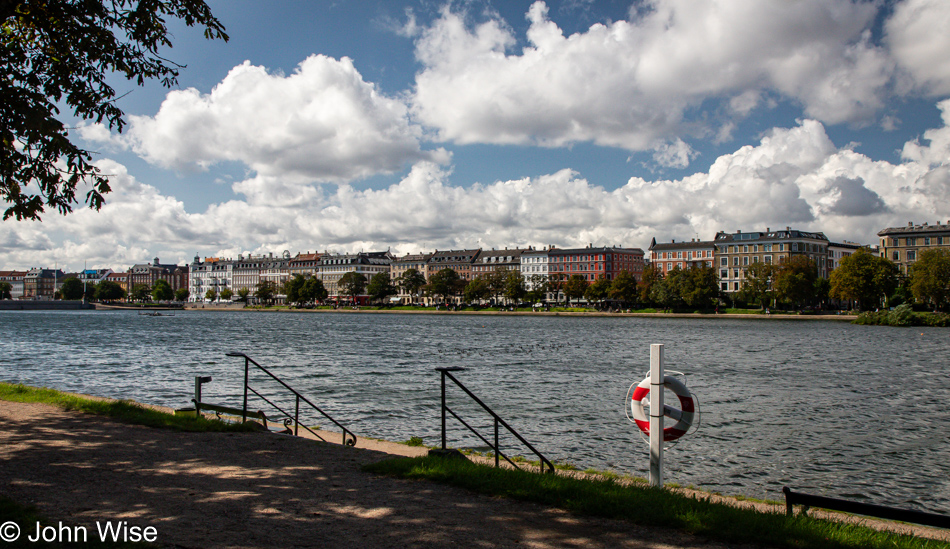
<point x="257" y="490"/>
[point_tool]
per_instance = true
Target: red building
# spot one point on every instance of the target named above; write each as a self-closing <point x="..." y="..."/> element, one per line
<point x="594" y="263"/>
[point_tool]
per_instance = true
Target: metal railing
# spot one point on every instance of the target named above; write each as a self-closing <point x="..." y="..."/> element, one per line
<point x="866" y="509"/>
<point x="446" y="372"/>
<point x="296" y="415"/>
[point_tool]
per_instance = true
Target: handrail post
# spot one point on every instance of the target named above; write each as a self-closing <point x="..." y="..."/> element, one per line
<point x="496" y="442"/>
<point x="297" y="417"/>
<point x="443" y="409"/>
<point x="247" y="366"/>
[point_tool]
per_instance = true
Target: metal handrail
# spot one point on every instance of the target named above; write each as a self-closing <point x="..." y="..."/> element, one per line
<point x="446" y="372"/>
<point x="866" y="509"/>
<point x="296" y="416"/>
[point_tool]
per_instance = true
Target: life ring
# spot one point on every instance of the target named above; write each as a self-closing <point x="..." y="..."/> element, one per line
<point x="684" y="416"/>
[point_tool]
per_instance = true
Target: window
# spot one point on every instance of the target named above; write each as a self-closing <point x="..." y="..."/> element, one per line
<point x="735" y="273"/>
<point x="768" y="260"/>
<point x="896" y="255"/>
<point x="911" y="255"/>
<point x="724" y="273"/>
<point x="735" y="286"/>
<point x="669" y="266"/>
<point x="724" y="261"/>
<point x="724" y="286"/>
<point x="911" y="241"/>
<point x="745" y="248"/>
<point x="926" y="241"/>
<point x="745" y="260"/>
<point x="735" y="260"/>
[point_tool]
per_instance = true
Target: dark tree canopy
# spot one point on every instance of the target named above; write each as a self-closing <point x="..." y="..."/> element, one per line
<point x="57" y="53"/>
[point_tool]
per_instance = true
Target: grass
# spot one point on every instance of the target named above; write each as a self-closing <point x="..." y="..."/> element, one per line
<point x="26" y="517"/>
<point x="121" y="410"/>
<point x="647" y="506"/>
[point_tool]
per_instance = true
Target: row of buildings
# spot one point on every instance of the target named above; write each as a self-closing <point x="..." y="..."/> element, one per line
<point x="730" y="253"/>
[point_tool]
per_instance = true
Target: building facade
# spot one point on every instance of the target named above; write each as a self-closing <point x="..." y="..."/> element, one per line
<point x="736" y="252"/>
<point x="459" y="261"/>
<point x="902" y="245"/>
<point x="15" y="279"/>
<point x="682" y="255"/>
<point x="334" y="266"/>
<point x="41" y="283"/>
<point x="398" y="267"/>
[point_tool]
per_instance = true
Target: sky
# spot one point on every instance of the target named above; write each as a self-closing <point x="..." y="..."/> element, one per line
<point x="416" y="125"/>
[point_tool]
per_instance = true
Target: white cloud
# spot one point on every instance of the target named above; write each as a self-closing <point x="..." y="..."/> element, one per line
<point x="792" y="177"/>
<point x="321" y="123"/>
<point x="918" y="39"/>
<point x="631" y="84"/>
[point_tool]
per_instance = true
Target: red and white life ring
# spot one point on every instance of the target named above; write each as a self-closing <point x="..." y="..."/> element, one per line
<point x="684" y="416"/>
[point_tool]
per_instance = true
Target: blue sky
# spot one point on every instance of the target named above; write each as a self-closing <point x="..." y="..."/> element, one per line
<point x="419" y="125"/>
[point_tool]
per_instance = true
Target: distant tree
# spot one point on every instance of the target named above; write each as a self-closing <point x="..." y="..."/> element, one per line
<point x="181" y="294"/>
<point x="162" y="291"/>
<point x="930" y="277"/>
<point x="598" y="291"/>
<point x="108" y="290"/>
<point x="71" y="289"/>
<point x="226" y="294"/>
<point x="65" y="54"/>
<point x="864" y="278"/>
<point x="476" y="290"/>
<point x="699" y="288"/>
<point x="758" y="284"/>
<point x="265" y="292"/>
<point x="411" y="281"/>
<point x="141" y="293"/>
<point x="293" y="289"/>
<point x="575" y="287"/>
<point x="445" y="284"/>
<point x="243" y="294"/>
<point x="380" y="287"/>
<point x="6" y="290"/>
<point x="314" y="290"/>
<point x="352" y="284"/>
<point x="496" y="282"/>
<point x="211" y="295"/>
<point x="652" y="275"/>
<point x="514" y="287"/>
<point x="794" y="280"/>
<point x="821" y="289"/>
<point x="624" y="288"/>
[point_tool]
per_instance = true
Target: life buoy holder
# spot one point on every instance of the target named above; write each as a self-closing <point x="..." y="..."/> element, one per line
<point x="684" y="415"/>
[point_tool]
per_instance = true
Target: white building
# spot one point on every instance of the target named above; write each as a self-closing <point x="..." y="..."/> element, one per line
<point x="214" y="273"/>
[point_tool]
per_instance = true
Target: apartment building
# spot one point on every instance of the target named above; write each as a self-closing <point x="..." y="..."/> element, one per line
<point x="212" y="273"/>
<point x="41" y="283"/>
<point x="307" y="264"/>
<point x="736" y="252"/>
<point x="840" y="250"/>
<point x="487" y="261"/>
<point x="534" y="267"/>
<point x="334" y="266"/>
<point x="459" y="261"/>
<point x="149" y="273"/>
<point x="15" y="279"/>
<point x="398" y="267"/>
<point x="593" y="263"/>
<point x="682" y="255"/>
<point x="902" y="245"/>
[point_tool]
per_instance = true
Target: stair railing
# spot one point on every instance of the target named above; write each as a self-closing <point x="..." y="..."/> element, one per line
<point x="446" y="372"/>
<point x="351" y="441"/>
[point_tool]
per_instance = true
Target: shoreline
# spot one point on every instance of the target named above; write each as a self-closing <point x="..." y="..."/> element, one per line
<point x="724" y="316"/>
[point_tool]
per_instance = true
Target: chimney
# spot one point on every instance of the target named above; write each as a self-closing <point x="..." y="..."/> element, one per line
<point x="768" y="229"/>
<point x="910" y="223"/>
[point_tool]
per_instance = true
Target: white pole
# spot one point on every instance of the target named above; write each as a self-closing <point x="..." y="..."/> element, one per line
<point x="656" y="415"/>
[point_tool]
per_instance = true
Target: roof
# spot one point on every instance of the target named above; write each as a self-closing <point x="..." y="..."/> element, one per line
<point x="768" y="235"/>
<point x="690" y="245"/>
<point x="911" y="228"/>
<point x="602" y="249"/>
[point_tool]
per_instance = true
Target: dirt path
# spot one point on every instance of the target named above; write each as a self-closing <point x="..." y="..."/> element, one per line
<point x="257" y="490"/>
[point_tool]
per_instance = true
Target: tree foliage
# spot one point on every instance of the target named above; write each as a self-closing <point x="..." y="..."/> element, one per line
<point x="108" y="290"/>
<point x="624" y="287"/>
<point x="930" y="277"/>
<point x="864" y="278"/>
<point x="211" y="295"/>
<point x="476" y="290"/>
<point x="757" y="287"/>
<point x="598" y="290"/>
<point x="6" y="290"/>
<point x="352" y="284"/>
<point x="445" y="283"/>
<point x="575" y="287"/>
<point x="794" y="280"/>
<point x="652" y="275"/>
<point x="293" y="289"/>
<point x="265" y="291"/>
<point x="226" y="294"/>
<point x="411" y="281"/>
<point x="314" y="290"/>
<point x="162" y="291"/>
<point x="71" y="289"/>
<point x="380" y="287"/>
<point x="181" y="294"/>
<point x="62" y="52"/>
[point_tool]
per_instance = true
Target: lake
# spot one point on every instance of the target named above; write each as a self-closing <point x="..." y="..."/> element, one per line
<point x="858" y="412"/>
